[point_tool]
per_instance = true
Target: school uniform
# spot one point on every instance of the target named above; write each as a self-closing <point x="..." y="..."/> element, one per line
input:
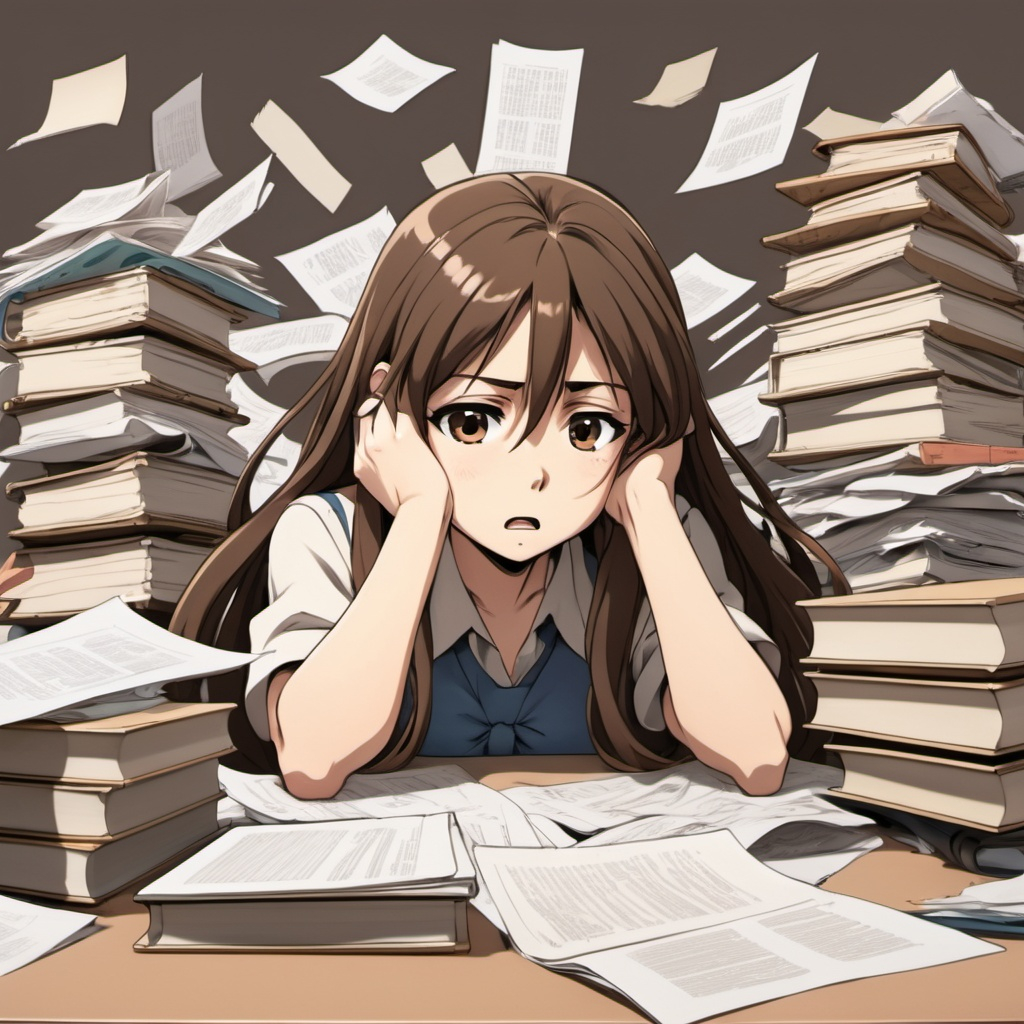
<point x="477" y="707"/>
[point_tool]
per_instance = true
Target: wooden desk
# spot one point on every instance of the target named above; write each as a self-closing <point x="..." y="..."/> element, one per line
<point x="103" y="979"/>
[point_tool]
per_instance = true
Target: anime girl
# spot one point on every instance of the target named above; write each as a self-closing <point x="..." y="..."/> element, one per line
<point x="509" y="529"/>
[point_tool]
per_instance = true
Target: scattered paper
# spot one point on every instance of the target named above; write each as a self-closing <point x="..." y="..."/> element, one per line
<point x="739" y="346"/>
<point x="741" y="415"/>
<point x="531" y="106"/>
<point x="29" y="931"/>
<point x="240" y="201"/>
<point x="102" y="651"/>
<point x="681" y="81"/>
<point x="263" y="415"/>
<point x="752" y="133"/>
<point x="274" y="469"/>
<point x="179" y="141"/>
<point x="446" y="167"/>
<point x="760" y="373"/>
<point x="297" y="151"/>
<point x="734" y="322"/>
<point x="705" y="290"/>
<point x="89" y="97"/>
<point x="833" y="124"/>
<point x="140" y="197"/>
<point x="276" y="347"/>
<point x="334" y="270"/>
<point x="386" y="76"/>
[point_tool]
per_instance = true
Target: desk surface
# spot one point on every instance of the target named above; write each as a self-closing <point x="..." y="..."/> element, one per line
<point x="102" y="979"/>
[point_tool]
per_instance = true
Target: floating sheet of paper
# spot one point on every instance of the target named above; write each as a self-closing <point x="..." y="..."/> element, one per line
<point x="734" y="322"/>
<point x="179" y="141"/>
<point x="89" y="97"/>
<point x="240" y="201"/>
<point x="386" y="76"/>
<point x="92" y="206"/>
<point x="739" y="346"/>
<point x="446" y="166"/>
<point x="742" y="416"/>
<point x="278" y="346"/>
<point x="704" y="289"/>
<point x="531" y="106"/>
<point x="263" y="415"/>
<point x="759" y="374"/>
<point x="297" y="151"/>
<point x="752" y="133"/>
<point x="28" y="931"/>
<point x="833" y="124"/>
<point x="681" y="81"/>
<point x="334" y="270"/>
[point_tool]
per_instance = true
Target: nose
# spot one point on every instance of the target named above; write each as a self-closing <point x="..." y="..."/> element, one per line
<point x="541" y="480"/>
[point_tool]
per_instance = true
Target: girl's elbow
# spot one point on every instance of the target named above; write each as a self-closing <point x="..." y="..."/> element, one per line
<point x="761" y="777"/>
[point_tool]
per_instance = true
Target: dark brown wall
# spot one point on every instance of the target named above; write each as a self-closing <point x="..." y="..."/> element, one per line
<point x="874" y="55"/>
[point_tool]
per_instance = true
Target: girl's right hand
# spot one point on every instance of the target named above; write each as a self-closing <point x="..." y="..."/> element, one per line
<point x="393" y="461"/>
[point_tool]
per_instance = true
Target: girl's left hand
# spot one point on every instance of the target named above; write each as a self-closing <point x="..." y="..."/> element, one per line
<point x="648" y="477"/>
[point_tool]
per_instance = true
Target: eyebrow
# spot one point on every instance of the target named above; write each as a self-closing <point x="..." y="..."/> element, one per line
<point x="572" y="386"/>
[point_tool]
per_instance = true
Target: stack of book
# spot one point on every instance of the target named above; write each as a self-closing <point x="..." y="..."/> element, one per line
<point x="910" y="325"/>
<point x="122" y="394"/>
<point x="922" y="689"/>
<point x="88" y="807"/>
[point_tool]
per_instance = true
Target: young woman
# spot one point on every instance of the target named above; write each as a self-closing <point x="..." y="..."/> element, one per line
<point x="510" y="530"/>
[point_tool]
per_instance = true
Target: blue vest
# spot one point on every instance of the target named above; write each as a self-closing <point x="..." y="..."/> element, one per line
<point x="472" y="716"/>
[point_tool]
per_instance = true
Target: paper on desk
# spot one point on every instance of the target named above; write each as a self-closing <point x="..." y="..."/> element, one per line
<point x="179" y="141"/>
<point x="739" y="346"/>
<point x="705" y="289"/>
<point x="89" y="97"/>
<point x="240" y="201"/>
<point x="334" y="270"/>
<point x="28" y="931"/>
<point x="691" y="927"/>
<point x="277" y="346"/>
<point x="531" y="106"/>
<point x="1003" y="898"/>
<point x="752" y="133"/>
<point x="833" y="124"/>
<point x="446" y="166"/>
<point x="297" y="151"/>
<point x="386" y="76"/>
<point x="681" y="81"/>
<point x="104" y="650"/>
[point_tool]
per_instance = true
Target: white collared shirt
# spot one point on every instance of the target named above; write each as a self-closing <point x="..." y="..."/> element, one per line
<point x="310" y="587"/>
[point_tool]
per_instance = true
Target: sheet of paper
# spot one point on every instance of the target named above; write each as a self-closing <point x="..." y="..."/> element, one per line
<point x="531" y="106"/>
<point x="681" y="81"/>
<point x="92" y="206"/>
<point x="274" y="469"/>
<point x="334" y="269"/>
<point x="742" y="416"/>
<point x="752" y="133"/>
<point x="28" y="931"/>
<point x="705" y="289"/>
<point x="297" y="151"/>
<point x="739" y="346"/>
<point x="833" y="124"/>
<point x="89" y="97"/>
<point x="1002" y="898"/>
<point x="446" y="166"/>
<point x="734" y="322"/>
<point x="386" y="76"/>
<point x="331" y="856"/>
<point x="179" y="141"/>
<point x="240" y="201"/>
<point x="291" y="343"/>
<point x="98" y="652"/>
<point x="263" y="415"/>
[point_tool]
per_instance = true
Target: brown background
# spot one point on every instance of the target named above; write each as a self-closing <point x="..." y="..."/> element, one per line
<point x="874" y="55"/>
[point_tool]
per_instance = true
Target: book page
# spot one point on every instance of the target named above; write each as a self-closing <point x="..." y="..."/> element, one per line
<point x="297" y="151"/>
<point x="386" y="76"/>
<point x="681" y="82"/>
<point x="179" y="141"/>
<point x="705" y="289"/>
<point x="446" y="166"/>
<point x="321" y="857"/>
<point x="752" y="133"/>
<point x="28" y="931"/>
<point x="276" y="347"/>
<point x="89" y="97"/>
<point x="104" y="650"/>
<point x="531" y="106"/>
<point x="334" y="270"/>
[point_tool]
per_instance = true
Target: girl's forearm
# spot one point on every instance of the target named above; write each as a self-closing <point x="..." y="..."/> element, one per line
<point x="722" y="701"/>
<point x="337" y="709"/>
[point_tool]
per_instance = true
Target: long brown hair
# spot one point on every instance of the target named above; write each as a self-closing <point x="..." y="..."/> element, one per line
<point x="445" y="290"/>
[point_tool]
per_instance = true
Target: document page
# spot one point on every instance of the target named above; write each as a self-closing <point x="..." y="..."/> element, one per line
<point x="104" y="650"/>
<point x="742" y="416"/>
<point x="143" y="196"/>
<point x="334" y="269"/>
<point x="446" y="166"/>
<point x="277" y="346"/>
<point x="531" y="106"/>
<point x="705" y="289"/>
<point x="28" y="932"/>
<point x="833" y="124"/>
<point x="681" y="81"/>
<point x="321" y="857"/>
<point x="752" y="133"/>
<point x="179" y="141"/>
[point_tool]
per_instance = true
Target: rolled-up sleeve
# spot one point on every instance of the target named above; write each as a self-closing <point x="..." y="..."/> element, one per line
<point x="647" y="665"/>
<point x="310" y="587"/>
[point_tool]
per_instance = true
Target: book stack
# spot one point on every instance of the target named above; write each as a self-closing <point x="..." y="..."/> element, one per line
<point x="122" y="392"/>
<point x="88" y="807"/>
<point x="922" y="689"/>
<point x="909" y="335"/>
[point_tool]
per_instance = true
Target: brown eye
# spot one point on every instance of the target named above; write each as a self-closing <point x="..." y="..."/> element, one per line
<point x="590" y="431"/>
<point x="467" y="424"/>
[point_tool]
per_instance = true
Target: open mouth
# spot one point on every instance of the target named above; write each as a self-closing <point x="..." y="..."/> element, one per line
<point x="522" y="523"/>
